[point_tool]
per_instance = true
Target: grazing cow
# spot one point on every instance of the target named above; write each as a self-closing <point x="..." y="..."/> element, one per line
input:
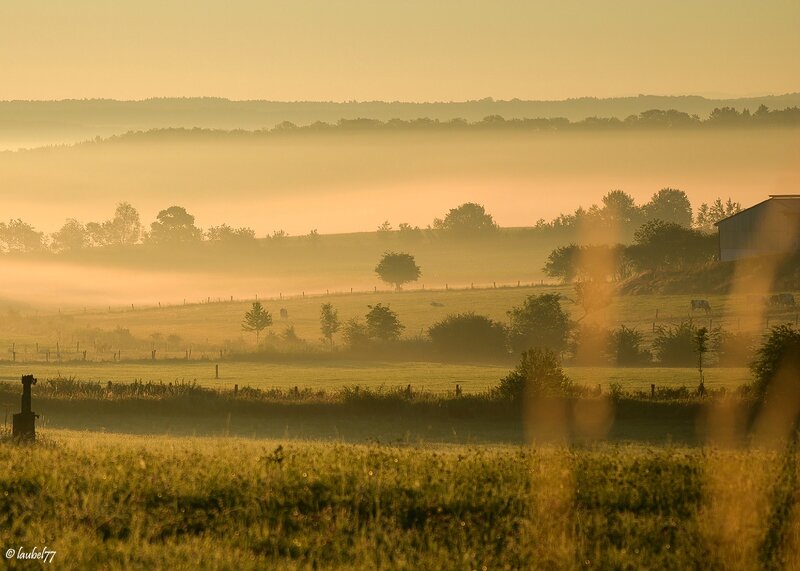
<point x="284" y="313"/>
<point x="703" y="304"/>
<point x="782" y="300"/>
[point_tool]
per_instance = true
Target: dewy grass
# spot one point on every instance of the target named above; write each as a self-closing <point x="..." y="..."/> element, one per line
<point x="133" y="502"/>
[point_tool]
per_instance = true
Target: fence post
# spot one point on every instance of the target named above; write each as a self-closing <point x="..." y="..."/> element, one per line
<point x="216" y="371"/>
<point x="652" y="391"/>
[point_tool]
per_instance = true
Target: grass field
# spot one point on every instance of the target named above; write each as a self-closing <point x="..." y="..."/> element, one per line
<point x="209" y="327"/>
<point x="332" y="375"/>
<point x="121" y="502"/>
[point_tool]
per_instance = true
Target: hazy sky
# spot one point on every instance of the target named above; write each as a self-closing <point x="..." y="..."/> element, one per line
<point x="396" y="49"/>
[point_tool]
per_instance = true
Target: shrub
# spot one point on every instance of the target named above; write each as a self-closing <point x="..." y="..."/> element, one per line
<point x="469" y="334"/>
<point x="675" y="345"/>
<point x="780" y="352"/>
<point x="625" y="347"/>
<point x="539" y="374"/>
<point x="355" y="333"/>
<point x="735" y="349"/>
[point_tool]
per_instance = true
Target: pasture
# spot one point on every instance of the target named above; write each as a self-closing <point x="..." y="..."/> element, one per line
<point x="159" y="502"/>
<point x="215" y="325"/>
<point x="438" y="377"/>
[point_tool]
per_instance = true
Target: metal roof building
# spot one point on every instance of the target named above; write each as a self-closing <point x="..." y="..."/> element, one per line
<point x="767" y="228"/>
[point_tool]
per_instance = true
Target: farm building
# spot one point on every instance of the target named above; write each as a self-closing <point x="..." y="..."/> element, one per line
<point x="769" y="227"/>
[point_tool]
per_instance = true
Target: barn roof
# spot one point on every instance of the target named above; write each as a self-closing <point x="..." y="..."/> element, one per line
<point x="789" y="201"/>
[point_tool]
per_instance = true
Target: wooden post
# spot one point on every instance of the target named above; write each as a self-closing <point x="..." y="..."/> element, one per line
<point x="216" y="371"/>
<point x="652" y="391"/>
<point x="235" y="390"/>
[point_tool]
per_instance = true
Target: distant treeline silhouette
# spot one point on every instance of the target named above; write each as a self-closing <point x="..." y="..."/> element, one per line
<point x="617" y="215"/>
<point x="724" y="117"/>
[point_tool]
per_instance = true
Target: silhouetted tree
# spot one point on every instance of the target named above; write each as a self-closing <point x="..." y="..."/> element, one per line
<point x="72" y="237"/>
<point x="469" y="219"/>
<point x="666" y="245"/>
<point x="174" y="226"/>
<point x="383" y="323"/>
<point x="125" y="228"/>
<point x="539" y="322"/>
<point x="709" y="215"/>
<point x="226" y="233"/>
<point x="398" y="268"/>
<point x="19" y="236"/>
<point x="670" y="205"/>
<point x="257" y="319"/>
<point x="328" y="321"/>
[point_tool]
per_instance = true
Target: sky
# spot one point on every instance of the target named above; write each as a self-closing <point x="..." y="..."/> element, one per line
<point x="410" y="50"/>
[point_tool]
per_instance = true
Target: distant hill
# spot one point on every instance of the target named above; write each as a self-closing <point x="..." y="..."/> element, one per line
<point x="35" y="123"/>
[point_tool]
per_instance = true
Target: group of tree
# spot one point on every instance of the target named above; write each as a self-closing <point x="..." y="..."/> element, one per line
<point x="657" y="245"/>
<point x="173" y="227"/>
<point x="540" y="328"/>
<point x="618" y="216"/>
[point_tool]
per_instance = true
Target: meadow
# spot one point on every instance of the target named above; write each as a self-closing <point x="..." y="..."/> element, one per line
<point x="216" y="324"/>
<point x="122" y="502"/>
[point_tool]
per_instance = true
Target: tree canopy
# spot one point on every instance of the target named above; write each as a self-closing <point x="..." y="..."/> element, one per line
<point x="397" y="268"/>
<point x="539" y="322"/>
<point x="257" y="319"/>
<point x="383" y="323"/>
<point x="174" y="226"/>
<point x="469" y="219"/>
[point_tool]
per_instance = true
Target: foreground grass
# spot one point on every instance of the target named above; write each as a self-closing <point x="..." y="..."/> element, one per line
<point x="118" y="502"/>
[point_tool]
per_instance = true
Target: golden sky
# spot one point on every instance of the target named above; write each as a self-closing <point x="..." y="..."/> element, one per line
<point x="413" y="50"/>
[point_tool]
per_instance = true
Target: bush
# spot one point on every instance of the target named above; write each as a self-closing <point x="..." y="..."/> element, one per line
<point x="735" y="349"/>
<point x="625" y="347"/>
<point x="589" y="344"/>
<point x="539" y="322"/>
<point x="539" y="374"/>
<point x="468" y="334"/>
<point x="675" y="345"/>
<point x="355" y="333"/>
<point x="780" y="352"/>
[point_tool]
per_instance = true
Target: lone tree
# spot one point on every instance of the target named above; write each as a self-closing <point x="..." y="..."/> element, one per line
<point x="328" y="322"/>
<point x="398" y="268"/>
<point x="469" y="219"/>
<point x="174" y="226"/>
<point x="539" y="322"/>
<point x="383" y="323"/>
<point x="257" y="319"/>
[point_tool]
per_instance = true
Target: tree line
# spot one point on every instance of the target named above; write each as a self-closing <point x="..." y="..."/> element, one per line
<point x="651" y="119"/>
<point x="618" y="216"/>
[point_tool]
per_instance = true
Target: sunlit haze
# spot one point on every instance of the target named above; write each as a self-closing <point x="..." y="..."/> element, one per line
<point x="414" y="50"/>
